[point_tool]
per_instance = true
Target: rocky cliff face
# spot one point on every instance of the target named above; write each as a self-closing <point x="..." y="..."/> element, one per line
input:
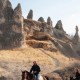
<point x="31" y="26"/>
<point x="10" y="25"/>
<point x="15" y="30"/>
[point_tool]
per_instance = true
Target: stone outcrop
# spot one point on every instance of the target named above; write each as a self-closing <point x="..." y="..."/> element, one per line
<point x="31" y="27"/>
<point x="50" y="26"/>
<point x="30" y="14"/>
<point x="41" y="44"/>
<point x="17" y="19"/>
<point x="10" y="25"/>
<point x="49" y="21"/>
<point x="76" y="36"/>
<point x="6" y="11"/>
<point x="58" y="31"/>
<point x="15" y="30"/>
<point x="41" y="19"/>
<point x="59" y="25"/>
<point x="17" y="26"/>
<point x="17" y="15"/>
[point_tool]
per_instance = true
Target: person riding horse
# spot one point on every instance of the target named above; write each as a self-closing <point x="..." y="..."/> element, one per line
<point x="35" y="69"/>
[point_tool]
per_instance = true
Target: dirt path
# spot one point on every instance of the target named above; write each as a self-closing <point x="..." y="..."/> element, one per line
<point x="57" y="63"/>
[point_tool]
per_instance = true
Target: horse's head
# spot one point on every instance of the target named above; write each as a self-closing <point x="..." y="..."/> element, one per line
<point x="23" y="75"/>
<point x="27" y="75"/>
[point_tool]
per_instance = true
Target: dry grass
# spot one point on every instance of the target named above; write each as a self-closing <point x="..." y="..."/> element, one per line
<point x="12" y="62"/>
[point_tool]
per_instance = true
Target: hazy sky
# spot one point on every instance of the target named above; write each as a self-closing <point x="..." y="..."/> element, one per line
<point x="66" y="10"/>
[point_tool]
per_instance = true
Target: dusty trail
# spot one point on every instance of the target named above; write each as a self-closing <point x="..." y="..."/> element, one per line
<point x="57" y="63"/>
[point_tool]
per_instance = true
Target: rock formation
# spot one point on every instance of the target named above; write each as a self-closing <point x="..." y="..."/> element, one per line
<point x="41" y="19"/>
<point x="10" y="25"/>
<point x="50" y="26"/>
<point x="9" y="12"/>
<point x="17" y="15"/>
<point x="14" y="29"/>
<point x="58" y="30"/>
<point x="17" y="25"/>
<point x="30" y="14"/>
<point x="59" y="25"/>
<point x="6" y="11"/>
<point x="49" y="21"/>
<point x="76" y="36"/>
<point x="17" y="19"/>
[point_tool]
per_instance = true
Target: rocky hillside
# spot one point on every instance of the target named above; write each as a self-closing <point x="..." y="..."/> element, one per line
<point x="42" y="35"/>
<point x="24" y="40"/>
<point x="52" y="64"/>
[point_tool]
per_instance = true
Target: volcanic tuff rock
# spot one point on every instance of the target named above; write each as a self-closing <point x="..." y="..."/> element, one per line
<point x="49" y="21"/>
<point x="59" y="25"/>
<point x="15" y="30"/>
<point x="50" y="25"/>
<point x="41" y="19"/>
<point x="76" y="36"/>
<point x="31" y="27"/>
<point x="17" y="15"/>
<point x="6" y="11"/>
<point x="10" y="25"/>
<point x="30" y="14"/>
<point x="17" y="19"/>
<point x="58" y="30"/>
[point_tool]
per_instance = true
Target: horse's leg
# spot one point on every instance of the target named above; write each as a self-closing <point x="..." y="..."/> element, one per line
<point x="22" y="76"/>
<point x="45" y="78"/>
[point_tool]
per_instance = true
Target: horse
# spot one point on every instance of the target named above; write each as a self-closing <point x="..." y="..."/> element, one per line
<point x="28" y="76"/>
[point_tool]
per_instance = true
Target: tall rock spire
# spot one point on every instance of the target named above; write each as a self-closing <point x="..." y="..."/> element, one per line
<point x="76" y="36"/>
<point x="11" y="25"/>
<point x="30" y="15"/>
<point x="6" y="11"/>
<point x="17" y="15"/>
<point x="49" y="21"/>
<point x="59" y="25"/>
<point x="9" y="11"/>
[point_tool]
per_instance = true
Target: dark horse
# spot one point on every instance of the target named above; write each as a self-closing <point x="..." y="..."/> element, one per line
<point x="28" y="76"/>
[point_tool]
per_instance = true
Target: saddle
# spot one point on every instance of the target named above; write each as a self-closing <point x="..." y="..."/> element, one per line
<point x="39" y="77"/>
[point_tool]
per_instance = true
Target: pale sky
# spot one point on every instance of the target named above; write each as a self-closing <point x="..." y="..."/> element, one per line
<point x="66" y="10"/>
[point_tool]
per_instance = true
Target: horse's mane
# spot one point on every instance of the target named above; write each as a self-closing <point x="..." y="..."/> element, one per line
<point x="29" y="75"/>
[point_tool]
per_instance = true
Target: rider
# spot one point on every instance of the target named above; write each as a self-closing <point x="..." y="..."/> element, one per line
<point x="35" y="69"/>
